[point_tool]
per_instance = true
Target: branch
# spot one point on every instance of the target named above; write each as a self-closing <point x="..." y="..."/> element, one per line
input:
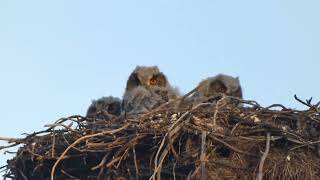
<point x="263" y="158"/>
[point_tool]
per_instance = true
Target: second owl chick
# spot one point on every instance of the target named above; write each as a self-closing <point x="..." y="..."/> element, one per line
<point x="220" y="84"/>
<point x="214" y="86"/>
<point x="147" y="88"/>
<point x="104" y="108"/>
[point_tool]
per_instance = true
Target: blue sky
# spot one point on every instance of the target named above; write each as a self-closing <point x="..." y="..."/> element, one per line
<point x="55" y="56"/>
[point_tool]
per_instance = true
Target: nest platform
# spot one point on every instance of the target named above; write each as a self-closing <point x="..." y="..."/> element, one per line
<point x="208" y="141"/>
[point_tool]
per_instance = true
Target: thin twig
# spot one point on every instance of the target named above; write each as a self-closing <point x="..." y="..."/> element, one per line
<point x="63" y="125"/>
<point x="263" y="158"/>
<point x="135" y="162"/>
<point x="70" y="176"/>
<point x="217" y="111"/>
<point x="11" y="140"/>
<point x="203" y="155"/>
<point x="102" y="163"/>
<point x="231" y="147"/>
<point x="53" y="143"/>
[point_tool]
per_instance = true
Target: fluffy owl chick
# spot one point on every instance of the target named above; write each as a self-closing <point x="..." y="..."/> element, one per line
<point x="147" y="88"/>
<point x="220" y="84"/>
<point x="105" y="108"/>
<point x="213" y="86"/>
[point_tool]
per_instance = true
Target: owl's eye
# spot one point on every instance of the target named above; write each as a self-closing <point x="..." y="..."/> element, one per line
<point x="153" y="81"/>
<point x="159" y="80"/>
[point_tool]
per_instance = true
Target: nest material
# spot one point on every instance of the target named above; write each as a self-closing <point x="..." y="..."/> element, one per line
<point x="209" y="141"/>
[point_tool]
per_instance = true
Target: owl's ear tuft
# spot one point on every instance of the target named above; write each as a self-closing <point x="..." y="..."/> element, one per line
<point x="133" y="81"/>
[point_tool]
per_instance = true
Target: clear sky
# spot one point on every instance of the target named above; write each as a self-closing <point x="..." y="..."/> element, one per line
<point x="56" y="56"/>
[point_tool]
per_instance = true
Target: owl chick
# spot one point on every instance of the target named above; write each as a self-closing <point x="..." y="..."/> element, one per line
<point x="213" y="86"/>
<point x="147" y="88"/>
<point x="220" y="84"/>
<point x="105" y="108"/>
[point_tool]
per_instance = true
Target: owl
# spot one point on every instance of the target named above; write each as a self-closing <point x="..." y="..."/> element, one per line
<point x="220" y="84"/>
<point x="104" y="108"/>
<point x="147" y="88"/>
<point x="214" y="86"/>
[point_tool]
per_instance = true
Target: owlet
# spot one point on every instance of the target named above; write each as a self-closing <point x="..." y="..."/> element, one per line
<point x="147" y="88"/>
<point x="104" y="108"/>
<point x="214" y="86"/>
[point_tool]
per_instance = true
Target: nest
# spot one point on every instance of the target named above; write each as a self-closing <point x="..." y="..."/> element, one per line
<point x="211" y="140"/>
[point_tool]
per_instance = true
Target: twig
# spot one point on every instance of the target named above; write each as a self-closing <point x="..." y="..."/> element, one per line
<point x="192" y="175"/>
<point x="53" y="143"/>
<point x="306" y="144"/>
<point x="67" y="174"/>
<point x="162" y="157"/>
<point x="135" y="162"/>
<point x="102" y="163"/>
<point x="231" y="147"/>
<point x="11" y="140"/>
<point x="222" y="163"/>
<point x="308" y="103"/>
<point x="276" y="105"/>
<point x="174" y="171"/>
<point x="9" y="146"/>
<point x="22" y="174"/>
<point x="63" y="125"/>
<point x="263" y="158"/>
<point x="114" y="161"/>
<point x="203" y="155"/>
<point x="187" y="95"/>
<point x="217" y="111"/>
<point x="175" y="154"/>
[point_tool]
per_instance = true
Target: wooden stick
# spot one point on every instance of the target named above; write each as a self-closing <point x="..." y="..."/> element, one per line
<point x="263" y="158"/>
<point x="203" y="155"/>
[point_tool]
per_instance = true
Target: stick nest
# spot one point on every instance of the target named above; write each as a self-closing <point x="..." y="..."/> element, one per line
<point x="208" y="141"/>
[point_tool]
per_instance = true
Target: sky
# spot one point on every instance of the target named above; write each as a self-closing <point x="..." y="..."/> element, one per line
<point x="56" y="56"/>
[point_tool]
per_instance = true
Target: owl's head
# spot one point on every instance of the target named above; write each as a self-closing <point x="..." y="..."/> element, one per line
<point x="105" y="106"/>
<point x="148" y="77"/>
<point x="221" y="84"/>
